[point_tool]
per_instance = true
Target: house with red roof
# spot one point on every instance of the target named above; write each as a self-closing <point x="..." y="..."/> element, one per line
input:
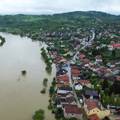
<point x="72" y="111"/>
<point x="91" y="107"/>
<point x="75" y="73"/>
<point x="113" y="46"/>
<point x="62" y="79"/>
<point x="68" y="100"/>
<point x="117" y="45"/>
<point x="90" y="104"/>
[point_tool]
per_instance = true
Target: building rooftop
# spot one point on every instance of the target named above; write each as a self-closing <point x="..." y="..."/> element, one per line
<point x="67" y="88"/>
<point x="73" y="109"/>
<point x="91" y="104"/>
<point x="62" y="78"/>
<point x="92" y="93"/>
<point x="116" y="45"/>
<point x="84" y="82"/>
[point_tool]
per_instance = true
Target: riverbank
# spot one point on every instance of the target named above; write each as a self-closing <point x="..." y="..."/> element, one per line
<point x="47" y="60"/>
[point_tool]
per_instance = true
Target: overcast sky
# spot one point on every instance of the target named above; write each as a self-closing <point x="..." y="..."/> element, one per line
<point x="57" y="6"/>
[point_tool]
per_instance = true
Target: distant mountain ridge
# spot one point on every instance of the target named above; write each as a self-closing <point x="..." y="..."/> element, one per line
<point x="91" y="14"/>
<point x="87" y="13"/>
<point x="75" y="13"/>
<point x="82" y="19"/>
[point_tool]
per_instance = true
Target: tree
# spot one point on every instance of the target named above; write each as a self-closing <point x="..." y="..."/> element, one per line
<point x="59" y="113"/>
<point x="51" y="90"/>
<point x="39" y="115"/>
<point x="115" y="88"/>
<point x="45" y="80"/>
<point x="105" y="84"/>
<point x="113" y="53"/>
<point x="2" y="40"/>
<point x="47" y="60"/>
<point x="54" y="82"/>
<point x="24" y="72"/>
<point x="43" y="91"/>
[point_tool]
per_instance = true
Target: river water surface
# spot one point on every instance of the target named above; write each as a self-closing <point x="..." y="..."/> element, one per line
<point x="20" y="95"/>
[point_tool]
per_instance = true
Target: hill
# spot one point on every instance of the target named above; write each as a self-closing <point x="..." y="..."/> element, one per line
<point x="24" y="24"/>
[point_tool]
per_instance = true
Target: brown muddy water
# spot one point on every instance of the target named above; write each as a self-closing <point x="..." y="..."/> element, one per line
<point x="20" y="95"/>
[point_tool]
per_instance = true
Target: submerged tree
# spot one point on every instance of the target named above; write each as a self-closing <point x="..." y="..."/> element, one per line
<point x="39" y="115"/>
<point x="45" y="80"/>
<point x="2" y="40"/>
<point x="24" y="72"/>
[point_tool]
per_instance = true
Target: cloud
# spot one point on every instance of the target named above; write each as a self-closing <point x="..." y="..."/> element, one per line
<point x="57" y="6"/>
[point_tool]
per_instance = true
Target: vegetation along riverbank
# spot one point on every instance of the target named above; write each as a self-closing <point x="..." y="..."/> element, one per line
<point x="47" y="60"/>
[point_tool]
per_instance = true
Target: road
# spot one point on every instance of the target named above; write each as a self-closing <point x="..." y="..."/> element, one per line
<point x="71" y="84"/>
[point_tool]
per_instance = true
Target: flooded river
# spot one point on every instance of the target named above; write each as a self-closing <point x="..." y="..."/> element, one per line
<point x="20" y="95"/>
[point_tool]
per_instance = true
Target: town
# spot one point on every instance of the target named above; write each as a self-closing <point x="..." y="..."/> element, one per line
<point x="87" y="81"/>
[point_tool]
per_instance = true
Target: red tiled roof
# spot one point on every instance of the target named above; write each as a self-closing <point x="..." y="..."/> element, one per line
<point x="84" y="82"/>
<point x="73" y="109"/>
<point x="93" y="117"/>
<point x="75" y="71"/>
<point x="63" y="78"/>
<point x="116" y="45"/>
<point x="91" y="104"/>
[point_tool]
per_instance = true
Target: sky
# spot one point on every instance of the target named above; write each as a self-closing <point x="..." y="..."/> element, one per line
<point x="58" y="6"/>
